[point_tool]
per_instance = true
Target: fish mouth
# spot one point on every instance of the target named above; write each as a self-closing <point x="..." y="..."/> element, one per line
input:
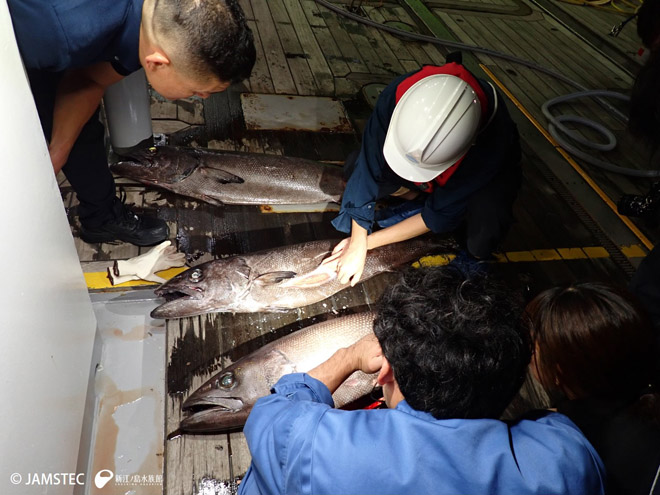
<point x="179" y="302"/>
<point x="213" y="415"/>
<point x="176" y="293"/>
<point x="219" y="404"/>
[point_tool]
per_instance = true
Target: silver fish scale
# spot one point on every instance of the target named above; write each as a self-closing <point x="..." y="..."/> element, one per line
<point x="313" y="345"/>
<point x="268" y="179"/>
<point x="257" y="372"/>
<point x="259" y="282"/>
<point x="302" y="259"/>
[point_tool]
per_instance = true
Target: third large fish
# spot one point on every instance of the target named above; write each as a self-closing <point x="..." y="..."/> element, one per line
<point x="225" y="400"/>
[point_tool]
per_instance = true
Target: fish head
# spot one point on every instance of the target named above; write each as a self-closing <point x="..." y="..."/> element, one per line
<point x="158" y="164"/>
<point x="217" y="285"/>
<point x="224" y="402"/>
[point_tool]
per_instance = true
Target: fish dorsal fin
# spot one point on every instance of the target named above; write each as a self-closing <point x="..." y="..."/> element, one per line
<point x="272" y="278"/>
<point x="221" y="176"/>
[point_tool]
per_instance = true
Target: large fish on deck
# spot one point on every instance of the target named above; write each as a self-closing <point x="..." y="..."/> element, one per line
<point x="274" y="280"/>
<point x="229" y="177"/>
<point x="225" y="400"/>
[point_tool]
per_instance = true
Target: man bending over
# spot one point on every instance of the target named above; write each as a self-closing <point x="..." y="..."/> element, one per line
<point x="450" y="353"/>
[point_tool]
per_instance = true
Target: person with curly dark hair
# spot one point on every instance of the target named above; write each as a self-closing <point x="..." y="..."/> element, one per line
<point x="73" y="51"/>
<point x="450" y="352"/>
<point x="595" y="346"/>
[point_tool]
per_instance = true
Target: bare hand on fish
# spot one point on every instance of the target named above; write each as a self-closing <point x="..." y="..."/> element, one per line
<point x="365" y="355"/>
<point x="349" y="257"/>
<point x="368" y="354"/>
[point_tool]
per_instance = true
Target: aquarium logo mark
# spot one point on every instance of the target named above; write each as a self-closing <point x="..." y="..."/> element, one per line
<point x="103" y="477"/>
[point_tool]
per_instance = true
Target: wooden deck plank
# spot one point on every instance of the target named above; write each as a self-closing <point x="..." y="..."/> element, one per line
<point x="423" y="53"/>
<point x="189" y="459"/>
<point x="339" y="28"/>
<point x="260" y="80"/>
<point x="296" y="55"/>
<point x="273" y="53"/>
<point x="361" y="37"/>
<point x="331" y="51"/>
<point x="528" y="27"/>
<point x="586" y="108"/>
<point x="527" y="85"/>
<point x="503" y="35"/>
<point x="316" y="59"/>
<point x="397" y="45"/>
<point x="602" y="22"/>
<point x="613" y="77"/>
<point x="544" y="86"/>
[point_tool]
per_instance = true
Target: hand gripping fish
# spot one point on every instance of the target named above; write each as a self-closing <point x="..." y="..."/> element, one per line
<point x="224" y="402"/>
<point x="231" y="177"/>
<point x="274" y="280"/>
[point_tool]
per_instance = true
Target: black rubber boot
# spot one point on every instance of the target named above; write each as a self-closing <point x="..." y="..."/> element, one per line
<point x="637" y="205"/>
<point x="127" y="226"/>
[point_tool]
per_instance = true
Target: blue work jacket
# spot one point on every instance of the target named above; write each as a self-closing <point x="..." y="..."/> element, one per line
<point x="496" y="146"/>
<point x="55" y="35"/>
<point x="301" y="445"/>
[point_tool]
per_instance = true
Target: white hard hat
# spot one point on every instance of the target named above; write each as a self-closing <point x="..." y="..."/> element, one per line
<point x="432" y="127"/>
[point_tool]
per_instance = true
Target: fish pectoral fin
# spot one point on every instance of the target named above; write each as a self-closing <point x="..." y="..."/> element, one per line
<point x="221" y="176"/>
<point x="272" y="278"/>
<point x="321" y="275"/>
<point x="211" y="200"/>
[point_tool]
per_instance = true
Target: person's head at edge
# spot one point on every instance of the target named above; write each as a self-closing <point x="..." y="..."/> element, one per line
<point x="644" y="100"/>
<point x="195" y="47"/>
<point x="454" y="344"/>
<point x="592" y="340"/>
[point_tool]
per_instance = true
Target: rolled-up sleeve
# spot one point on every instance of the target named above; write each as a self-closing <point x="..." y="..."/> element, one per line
<point x="366" y="184"/>
<point x="276" y="431"/>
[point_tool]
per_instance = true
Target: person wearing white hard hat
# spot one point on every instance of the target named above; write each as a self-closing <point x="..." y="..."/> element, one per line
<point x="443" y="141"/>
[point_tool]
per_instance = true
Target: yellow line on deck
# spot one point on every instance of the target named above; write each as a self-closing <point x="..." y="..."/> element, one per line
<point x="535" y="255"/>
<point x="633" y="228"/>
<point x="100" y="280"/>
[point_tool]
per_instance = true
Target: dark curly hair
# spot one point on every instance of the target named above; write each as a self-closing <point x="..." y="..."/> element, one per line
<point x="455" y="342"/>
<point x="211" y="36"/>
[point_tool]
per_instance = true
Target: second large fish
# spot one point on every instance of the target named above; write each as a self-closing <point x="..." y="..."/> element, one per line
<point x="277" y="279"/>
<point x="232" y="177"/>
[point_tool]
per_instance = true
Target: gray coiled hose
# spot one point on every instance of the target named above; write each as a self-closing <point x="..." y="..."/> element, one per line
<point x="554" y="122"/>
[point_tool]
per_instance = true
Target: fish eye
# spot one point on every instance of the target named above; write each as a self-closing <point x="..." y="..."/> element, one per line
<point x="196" y="275"/>
<point x="226" y="381"/>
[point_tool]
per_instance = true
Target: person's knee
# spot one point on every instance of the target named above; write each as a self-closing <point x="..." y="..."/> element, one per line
<point x="482" y="248"/>
<point x="484" y="235"/>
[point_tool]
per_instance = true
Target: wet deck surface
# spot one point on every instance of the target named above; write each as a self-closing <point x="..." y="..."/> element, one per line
<point x="566" y="225"/>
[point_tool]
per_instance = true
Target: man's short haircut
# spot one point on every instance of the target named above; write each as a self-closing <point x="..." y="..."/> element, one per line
<point x="455" y="342"/>
<point x="206" y="37"/>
